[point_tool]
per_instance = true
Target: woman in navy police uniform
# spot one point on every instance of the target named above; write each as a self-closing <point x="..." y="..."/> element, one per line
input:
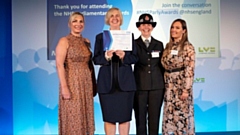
<point x="148" y="72"/>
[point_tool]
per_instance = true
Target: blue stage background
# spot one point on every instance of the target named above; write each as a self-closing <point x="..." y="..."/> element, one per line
<point x="29" y="83"/>
<point x="6" y="110"/>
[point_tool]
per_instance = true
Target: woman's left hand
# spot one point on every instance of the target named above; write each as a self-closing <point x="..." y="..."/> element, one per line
<point x="184" y="96"/>
<point x="120" y="53"/>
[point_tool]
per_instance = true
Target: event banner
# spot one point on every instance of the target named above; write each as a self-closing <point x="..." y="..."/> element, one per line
<point x="202" y="17"/>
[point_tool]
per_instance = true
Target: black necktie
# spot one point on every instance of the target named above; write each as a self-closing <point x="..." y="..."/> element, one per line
<point x="146" y="42"/>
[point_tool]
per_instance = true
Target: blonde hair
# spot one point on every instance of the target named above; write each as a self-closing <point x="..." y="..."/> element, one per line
<point x="109" y="13"/>
<point x="73" y="15"/>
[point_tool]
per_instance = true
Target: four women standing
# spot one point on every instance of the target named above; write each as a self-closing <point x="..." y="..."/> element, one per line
<point x="116" y="83"/>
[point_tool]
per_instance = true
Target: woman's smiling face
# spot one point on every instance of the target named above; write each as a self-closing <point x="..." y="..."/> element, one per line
<point x="146" y="30"/>
<point x="76" y="24"/>
<point x="115" y="20"/>
<point x="177" y="31"/>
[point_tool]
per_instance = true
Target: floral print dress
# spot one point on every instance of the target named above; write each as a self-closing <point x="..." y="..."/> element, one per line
<point x="178" y="115"/>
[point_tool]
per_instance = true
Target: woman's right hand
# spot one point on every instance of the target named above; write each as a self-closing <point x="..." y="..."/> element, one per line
<point x="110" y="53"/>
<point x="65" y="93"/>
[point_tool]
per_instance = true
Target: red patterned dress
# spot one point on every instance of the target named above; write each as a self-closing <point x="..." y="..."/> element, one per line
<point x="76" y="114"/>
<point x="178" y="115"/>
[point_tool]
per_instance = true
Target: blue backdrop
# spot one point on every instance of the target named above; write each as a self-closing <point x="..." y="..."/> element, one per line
<point x="6" y="110"/>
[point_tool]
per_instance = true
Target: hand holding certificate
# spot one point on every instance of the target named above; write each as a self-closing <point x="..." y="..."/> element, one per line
<point x="117" y="40"/>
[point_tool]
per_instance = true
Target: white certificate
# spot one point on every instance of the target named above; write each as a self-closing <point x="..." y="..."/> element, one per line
<point x="117" y="40"/>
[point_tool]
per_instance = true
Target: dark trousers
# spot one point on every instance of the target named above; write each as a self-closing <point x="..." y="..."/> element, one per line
<point x="147" y="108"/>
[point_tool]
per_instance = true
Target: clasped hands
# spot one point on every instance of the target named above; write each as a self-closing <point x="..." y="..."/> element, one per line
<point x="119" y="53"/>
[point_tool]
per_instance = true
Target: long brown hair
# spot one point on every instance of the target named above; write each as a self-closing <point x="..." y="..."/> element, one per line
<point x="183" y="40"/>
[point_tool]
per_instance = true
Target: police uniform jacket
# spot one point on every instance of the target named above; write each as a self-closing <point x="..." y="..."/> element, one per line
<point x="148" y="71"/>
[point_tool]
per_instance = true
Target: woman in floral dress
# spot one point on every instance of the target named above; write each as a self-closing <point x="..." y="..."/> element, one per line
<point x="179" y="63"/>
